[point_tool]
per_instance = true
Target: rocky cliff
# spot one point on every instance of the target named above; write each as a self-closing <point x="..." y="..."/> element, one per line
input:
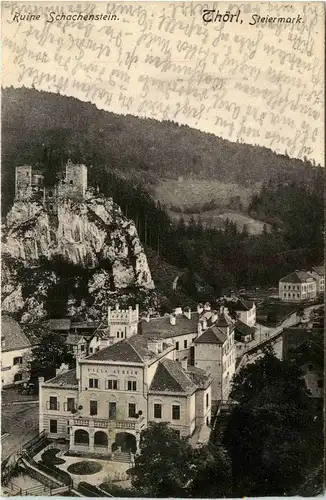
<point x="70" y="260"/>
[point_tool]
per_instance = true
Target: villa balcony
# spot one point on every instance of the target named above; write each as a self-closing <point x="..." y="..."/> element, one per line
<point x="101" y="423"/>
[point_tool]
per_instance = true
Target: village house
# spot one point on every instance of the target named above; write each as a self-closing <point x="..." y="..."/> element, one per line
<point x="298" y="286"/>
<point x="104" y="403"/>
<point x="14" y="347"/>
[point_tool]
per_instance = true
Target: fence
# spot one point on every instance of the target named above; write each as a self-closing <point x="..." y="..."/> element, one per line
<point x="40" y="490"/>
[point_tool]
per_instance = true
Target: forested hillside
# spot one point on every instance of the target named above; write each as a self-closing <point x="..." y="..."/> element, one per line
<point x="127" y="157"/>
<point x="40" y="127"/>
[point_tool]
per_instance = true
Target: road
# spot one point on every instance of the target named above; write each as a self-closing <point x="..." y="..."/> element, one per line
<point x="264" y="333"/>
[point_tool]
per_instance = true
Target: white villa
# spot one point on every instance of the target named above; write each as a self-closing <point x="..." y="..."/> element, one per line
<point x="171" y="371"/>
<point x="14" y="346"/>
<point x="298" y="286"/>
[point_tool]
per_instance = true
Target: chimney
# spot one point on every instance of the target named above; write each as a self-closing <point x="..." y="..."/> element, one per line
<point x="187" y="312"/>
<point x="130" y="314"/>
<point x="152" y="345"/>
<point x="184" y="363"/>
<point x="214" y="316"/>
<point x="62" y="369"/>
<point x="109" y="315"/>
<point x="40" y="380"/>
<point x="200" y="308"/>
<point x="172" y="319"/>
<point x="204" y="323"/>
<point x="178" y="310"/>
<point x="221" y="309"/>
<point x="146" y="316"/>
<point x="199" y="328"/>
<point x="117" y="307"/>
<point x="137" y="312"/>
<point x="207" y="306"/>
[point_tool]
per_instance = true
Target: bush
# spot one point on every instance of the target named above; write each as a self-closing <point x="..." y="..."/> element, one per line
<point x="53" y="471"/>
<point x="117" y="491"/>
<point x="84" y="468"/>
<point x="88" y="490"/>
<point x="49" y="457"/>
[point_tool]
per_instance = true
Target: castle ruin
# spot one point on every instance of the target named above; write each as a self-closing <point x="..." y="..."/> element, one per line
<point x="29" y="185"/>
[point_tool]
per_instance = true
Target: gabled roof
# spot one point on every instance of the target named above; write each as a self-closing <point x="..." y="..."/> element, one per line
<point x="244" y="329"/>
<point x="132" y="350"/>
<point x="297" y="277"/>
<point x="12" y="336"/>
<point x="163" y="327"/>
<point x="243" y="305"/>
<point x="170" y="377"/>
<point x="224" y="320"/>
<point x="65" y="378"/>
<point x="74" y="339"/>
<point x="60" y="324"/>
<point x="212" y="335"/>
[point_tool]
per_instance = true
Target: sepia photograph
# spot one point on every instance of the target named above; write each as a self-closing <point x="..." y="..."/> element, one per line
<point x="162" y="249"/>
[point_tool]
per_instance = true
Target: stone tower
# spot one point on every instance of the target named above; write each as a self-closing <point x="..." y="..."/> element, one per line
<point x="74" y="185"/>
<point x="123" y="323"/>
<point x="23" y="182"/>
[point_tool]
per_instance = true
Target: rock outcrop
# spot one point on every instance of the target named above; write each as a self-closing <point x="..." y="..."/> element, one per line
<point x="80" y="253"/>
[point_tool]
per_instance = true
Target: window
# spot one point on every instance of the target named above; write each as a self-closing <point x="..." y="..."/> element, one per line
<point x="175" y="412"/>
<point x="207" y="400"/>
<point x="18" y="377"/>
<point x="118" y="335"/>
<point x="53" y="426"/>
<point x="112" y="384"/>
<point x="18" y="361"/>
<point x="185" y="344"/>
<point x="54" y="403"/>
<point x="91" y="350"/>
<point x="71" y="182"/>
<point x="82" y="347"/>
<point x="50" y="194"/>
<point x="177" y="346"/>
<point x="157" y="411"/>
<point x="132" y="410"/>
<point x="93" y="383"/>
<point x="93" y="407"/>
<point x="122" y="335"/>
<point x="132" y="385"/>
<point x="70" y="404"/>
<point x="112" y="410"/>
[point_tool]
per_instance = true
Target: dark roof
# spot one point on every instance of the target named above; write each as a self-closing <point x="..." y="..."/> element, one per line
<point x="65" y="378"/>
<point x="170" y="377"/>
<point x="297" y="277"/>
<point x="84" y="324"/>
<point x="199" y="377"/>
<point x="244" y="329"/>
<point x="242" y="305"/>
<point x="60" y="324"/>
<point x="12" y="336"/>
<point x="224" y="320"/>
<point x="131" y="350"/>
<point x="212" y="335"/>
<point x="163" y="327"/>
<point x="74" y="338"/>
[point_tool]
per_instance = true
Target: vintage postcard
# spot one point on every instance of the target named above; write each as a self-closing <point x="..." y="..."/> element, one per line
<point x="162" y="328"/>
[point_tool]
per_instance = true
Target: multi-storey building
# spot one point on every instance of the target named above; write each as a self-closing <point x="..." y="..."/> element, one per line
<point x="114" y="393"/>
<point x="14" y="346"/>
<point x="298" y="286"/>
